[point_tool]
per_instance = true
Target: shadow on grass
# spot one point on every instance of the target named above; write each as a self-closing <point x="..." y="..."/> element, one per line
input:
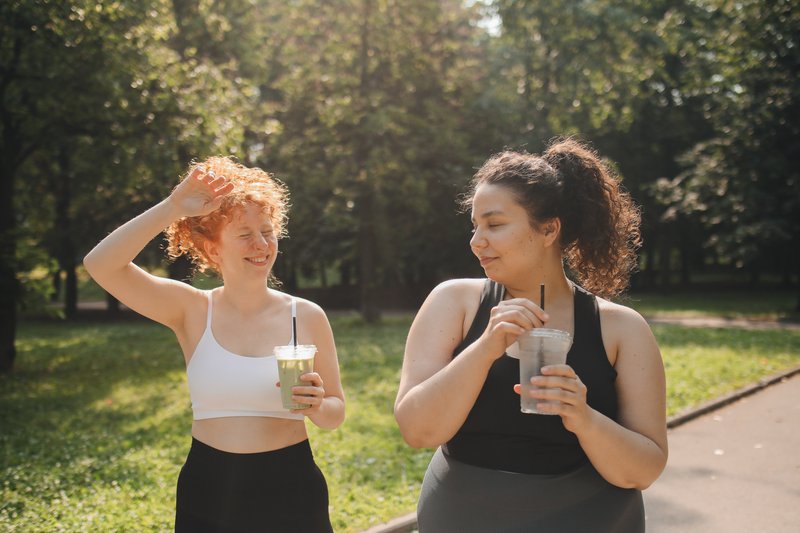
<point x="85" y="411"/>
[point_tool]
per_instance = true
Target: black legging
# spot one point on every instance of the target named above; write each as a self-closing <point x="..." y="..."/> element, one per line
<point x="277" y="491"/>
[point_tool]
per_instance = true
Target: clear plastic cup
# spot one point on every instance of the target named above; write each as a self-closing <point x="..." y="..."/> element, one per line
<point x="293" y="362"/>
<point x="537" y="348"/>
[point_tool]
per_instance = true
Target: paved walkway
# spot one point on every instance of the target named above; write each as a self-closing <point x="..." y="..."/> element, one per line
<point x="734" y="469"/>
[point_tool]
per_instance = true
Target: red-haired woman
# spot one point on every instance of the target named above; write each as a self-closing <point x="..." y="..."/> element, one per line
<point x="250" y="467"/>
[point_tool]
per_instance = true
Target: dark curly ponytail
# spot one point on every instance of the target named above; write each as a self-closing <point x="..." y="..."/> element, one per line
<point x="599" y="221"/>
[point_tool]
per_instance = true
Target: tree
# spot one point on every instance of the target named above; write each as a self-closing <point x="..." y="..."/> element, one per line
<point x="96" y="109"/>
<point x="46" y="88"/>
<point x="371" y="123"/>
<point x="742" y="183"/>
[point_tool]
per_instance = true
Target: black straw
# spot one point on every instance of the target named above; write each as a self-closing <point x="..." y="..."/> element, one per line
<point x="294" y="330"/>
<point x="541" y="296"/>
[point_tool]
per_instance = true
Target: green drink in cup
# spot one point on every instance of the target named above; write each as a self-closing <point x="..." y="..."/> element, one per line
<point x="293" y="362"/>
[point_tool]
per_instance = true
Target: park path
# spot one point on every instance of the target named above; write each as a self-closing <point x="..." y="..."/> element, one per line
<point x="722" y="322"/>
<point x="733" y="469"/>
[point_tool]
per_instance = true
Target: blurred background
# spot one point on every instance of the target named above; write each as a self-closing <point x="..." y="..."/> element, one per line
<point x="376" y="113"/>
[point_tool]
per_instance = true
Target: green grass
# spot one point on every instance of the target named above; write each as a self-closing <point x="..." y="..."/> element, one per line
<point x="759" y="304"/>
<point x="96" y="419"/>
<point x="702" y="364"/>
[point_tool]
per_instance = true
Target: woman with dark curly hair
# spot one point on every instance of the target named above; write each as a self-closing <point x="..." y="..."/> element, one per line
<point x="250" y="467"/>
<point x="501" y="470"/>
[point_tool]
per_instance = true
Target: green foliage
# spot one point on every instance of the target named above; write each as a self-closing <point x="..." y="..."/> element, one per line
<point x="376" y="113"/>
<point x="740" y="184"/>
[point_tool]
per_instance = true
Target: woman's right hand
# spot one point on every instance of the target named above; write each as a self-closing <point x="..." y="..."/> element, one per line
<point x="200" y="193"/>
<point x="508" y="320"/>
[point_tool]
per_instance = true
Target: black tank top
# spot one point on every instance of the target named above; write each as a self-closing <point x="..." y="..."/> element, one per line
<point x="497" y="435"/>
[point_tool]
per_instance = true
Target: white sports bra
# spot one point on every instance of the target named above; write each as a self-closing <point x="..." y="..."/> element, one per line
<point x="222" y="383"/>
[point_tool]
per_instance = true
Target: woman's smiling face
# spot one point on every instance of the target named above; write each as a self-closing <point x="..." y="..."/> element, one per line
<point x="247" y="245"/>
<point x="503" y="239"/>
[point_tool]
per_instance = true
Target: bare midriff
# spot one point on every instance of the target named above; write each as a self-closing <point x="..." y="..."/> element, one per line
<point x="249" y="434"/>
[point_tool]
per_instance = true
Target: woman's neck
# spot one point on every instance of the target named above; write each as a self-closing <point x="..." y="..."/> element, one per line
<point x="247" y="297"/>
<point x="557" y="288"/>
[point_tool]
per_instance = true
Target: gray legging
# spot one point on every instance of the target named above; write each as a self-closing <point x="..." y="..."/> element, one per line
<point x="461" y="498"/>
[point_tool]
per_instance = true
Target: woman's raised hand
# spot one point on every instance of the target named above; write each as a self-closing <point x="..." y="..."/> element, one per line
<point x="200" y="193"/>
<point x="508" y="320"/>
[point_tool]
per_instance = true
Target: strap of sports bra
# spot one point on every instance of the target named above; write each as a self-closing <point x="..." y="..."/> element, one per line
<point x="208" y="315"/>
<point x="211" y="300"/>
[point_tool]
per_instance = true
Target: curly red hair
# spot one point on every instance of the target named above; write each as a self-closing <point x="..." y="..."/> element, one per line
<point x="250" y="186"/>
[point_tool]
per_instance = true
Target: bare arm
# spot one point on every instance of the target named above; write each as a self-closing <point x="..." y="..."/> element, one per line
<point x="437" y="392"/>
<point x="329" y="413"/>
<point x="110" y="263"/>
<point x="632" y="452"/>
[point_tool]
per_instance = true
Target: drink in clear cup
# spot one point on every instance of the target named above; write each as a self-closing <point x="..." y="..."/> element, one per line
<point x="537" y="348"/>
<point x="293" y="362"/>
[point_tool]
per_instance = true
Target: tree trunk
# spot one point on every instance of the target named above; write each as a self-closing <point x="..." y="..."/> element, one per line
<point x="56" y="286"/>
<point x="323" y="275"/>
<point x="664" y="266"/>
<point x="346" y="273"/>
<point x="71" y="289"/>
<point x="755" y="275"/>
<point x="367" y="275"/>
<point x="9" y="286"/>
<point x="112" y="305"/>
<point x="685" y="260"/>
<point x="367" y="251"/>
<point x="62" y="186"/>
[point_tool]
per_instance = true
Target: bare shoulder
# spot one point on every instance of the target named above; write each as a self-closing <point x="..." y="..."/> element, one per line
<point x="620" y="317"/>
<point x="449" y="310"/>
<point x="626" y="334"/>
<point x="309" y="310"/>
<point x="457" y="290"/>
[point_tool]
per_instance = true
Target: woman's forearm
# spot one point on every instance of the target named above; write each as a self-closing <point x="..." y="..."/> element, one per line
<point x="330" y="414"/>
<point x="122" y="245"/>
<point x="431" y="412"/>
<point x="623" y="457"/>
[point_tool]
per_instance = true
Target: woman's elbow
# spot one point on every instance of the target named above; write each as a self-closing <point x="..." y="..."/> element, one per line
<point x="643" y="480"/>
<point x="418" y="441"/>
<point x="414" y="435"/>
<point x="93" y="264"/>
<point x="89" y="263"/>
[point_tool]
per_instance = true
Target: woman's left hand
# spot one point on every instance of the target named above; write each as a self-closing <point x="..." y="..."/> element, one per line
<point x="312" y="394"/>
<point x="564" y="393"/>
